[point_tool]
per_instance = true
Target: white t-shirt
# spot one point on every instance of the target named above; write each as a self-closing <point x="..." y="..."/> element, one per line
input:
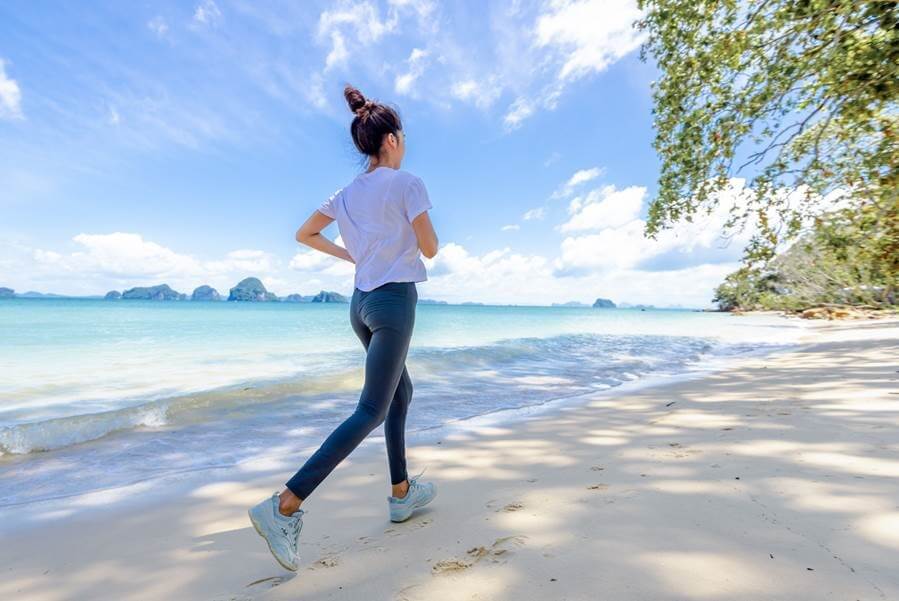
<point x="374" y="215"/>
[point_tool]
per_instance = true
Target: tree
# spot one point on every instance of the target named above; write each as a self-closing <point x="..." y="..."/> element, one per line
<point x="803" y="93"/>
<point x="842" y="259"/>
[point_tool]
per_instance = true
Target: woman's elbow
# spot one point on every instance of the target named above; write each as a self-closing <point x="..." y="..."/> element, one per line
<point x="302" y="236"/>
<point x="430" y="251"/>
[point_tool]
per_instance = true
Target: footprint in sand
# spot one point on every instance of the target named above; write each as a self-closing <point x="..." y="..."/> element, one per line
<point x="411" y="524"/>
<point x="408" y="593"/>
<point x="508" y="507"/>
<point x="328" y="561"/>
<point x="494" y="553"/>
<point x="598" y="486"/>
<point x="450" y="565"/>
<point x="270" y="582"/>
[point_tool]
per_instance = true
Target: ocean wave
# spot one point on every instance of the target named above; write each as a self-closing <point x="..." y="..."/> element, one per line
<point x="475" y="379"/>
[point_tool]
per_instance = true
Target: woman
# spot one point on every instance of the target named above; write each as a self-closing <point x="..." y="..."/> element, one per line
<point x="383" y="220"/>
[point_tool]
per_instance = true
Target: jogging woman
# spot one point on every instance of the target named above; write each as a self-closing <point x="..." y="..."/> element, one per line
<point x="383" y="219"/>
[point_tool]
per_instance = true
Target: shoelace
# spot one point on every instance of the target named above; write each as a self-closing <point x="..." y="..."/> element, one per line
<point x="417" y="476"/>
<point x="292" y="531"/>
<point x="413" y="481"/>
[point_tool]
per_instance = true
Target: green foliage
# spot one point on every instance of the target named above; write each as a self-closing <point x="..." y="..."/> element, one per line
<point x="803" y="92"/>
<point x="846" y="258"/>
<point x="805" y="95"/>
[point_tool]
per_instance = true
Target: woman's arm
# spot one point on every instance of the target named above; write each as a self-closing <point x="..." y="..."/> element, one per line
<point x="427" y="237"/>
<point x="310" y="235"/>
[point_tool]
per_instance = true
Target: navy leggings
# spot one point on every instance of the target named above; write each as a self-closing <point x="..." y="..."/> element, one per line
<point x="383" y="319"/>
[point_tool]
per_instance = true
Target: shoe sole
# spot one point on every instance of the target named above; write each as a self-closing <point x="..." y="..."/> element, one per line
<point x="265" y="538"/>
<point x="413" y="509"/>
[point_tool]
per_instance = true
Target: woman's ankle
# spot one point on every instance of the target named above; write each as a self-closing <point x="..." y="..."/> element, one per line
<point x="288" y="503"/>
<point x="400" y="490"/>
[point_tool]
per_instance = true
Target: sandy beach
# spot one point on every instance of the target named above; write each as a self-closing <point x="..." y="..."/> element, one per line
<point x="776" y="478"/>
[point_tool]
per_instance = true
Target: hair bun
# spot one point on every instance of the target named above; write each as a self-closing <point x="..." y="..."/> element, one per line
<point x="355" y="99"/>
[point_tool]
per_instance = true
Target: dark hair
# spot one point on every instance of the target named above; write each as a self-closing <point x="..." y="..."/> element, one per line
<point x="373" y="121"/>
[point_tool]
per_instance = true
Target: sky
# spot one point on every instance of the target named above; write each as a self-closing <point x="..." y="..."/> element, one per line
<point x="185" y="142"/>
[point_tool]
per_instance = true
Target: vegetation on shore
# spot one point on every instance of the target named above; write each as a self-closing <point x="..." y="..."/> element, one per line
<point x="805" y="95"/>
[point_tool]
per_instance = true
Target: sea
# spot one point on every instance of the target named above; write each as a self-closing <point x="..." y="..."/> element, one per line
<point x="97" y="395"/>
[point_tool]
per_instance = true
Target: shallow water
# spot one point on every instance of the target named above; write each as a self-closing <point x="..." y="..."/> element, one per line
<point x="98" y="394"/>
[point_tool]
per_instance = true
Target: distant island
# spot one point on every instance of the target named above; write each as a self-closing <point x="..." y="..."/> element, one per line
<point x="252" y="289"/>
<point x="32" y="294"/>
<point x="161" y="292"/>
<point x="205" y="293"/>
<point x="640" y="307"/>
<point x="247" y="290"/>
<point x="321" y="297"/>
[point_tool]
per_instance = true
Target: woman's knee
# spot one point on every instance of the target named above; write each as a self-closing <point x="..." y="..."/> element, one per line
<point x="373" y="412"/>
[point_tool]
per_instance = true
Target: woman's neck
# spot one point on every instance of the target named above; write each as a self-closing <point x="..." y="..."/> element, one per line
<point x="385" y="163"/>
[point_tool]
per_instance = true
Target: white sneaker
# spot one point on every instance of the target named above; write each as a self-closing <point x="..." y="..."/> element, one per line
<point x="279" y="531"/>
<point x="419" y="495"/>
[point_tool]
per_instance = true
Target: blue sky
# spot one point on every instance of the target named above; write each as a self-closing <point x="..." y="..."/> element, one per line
<point x="184" y="142"/>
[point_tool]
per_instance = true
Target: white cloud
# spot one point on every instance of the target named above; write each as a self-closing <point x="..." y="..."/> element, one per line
<point x="114" y="117"/>
<point x="617" y="238"/>
<point x="606" y="207"/>
<point x="511" y="226"/>
<point x="249" y="261"/>
<point x="338" y="54"/>
<point x="315" y="91"/>
<point x="575" y="38"/>
<point x="495" y="267"/>
<point x="158" y="26"/>
<point x="423" y="8"/>
<point x="10" y="96"/>
<point x="534" y="214"/>
<point x="120" y="260"/>
<point x="620" y="247"/>
<point x="520" y="110"/>
<point x="515" y="57"/>
<point x="481" y="94"/>
<point x="590" y="34"/>
<point x="417" y="62"/>
<point x="313" y="261"/>
<point x="360" y="21"/>
<point x="207" y="13"/>
<point x="609" y="262"/>
<point x="120" y="255"/>
<point x="501" y="276"/>
<point x="579" y="177"/>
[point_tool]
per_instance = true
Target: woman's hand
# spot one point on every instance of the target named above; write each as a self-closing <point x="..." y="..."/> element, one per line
<point x="310" y="235"/>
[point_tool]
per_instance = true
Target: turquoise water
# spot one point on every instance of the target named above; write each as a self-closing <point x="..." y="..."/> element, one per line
<point x="131" y="390"/>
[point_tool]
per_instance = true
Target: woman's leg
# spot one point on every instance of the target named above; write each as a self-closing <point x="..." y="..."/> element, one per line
<point x="395" y="429"/>
<point x="395" y="423"/>
<point x="390" y="319"/>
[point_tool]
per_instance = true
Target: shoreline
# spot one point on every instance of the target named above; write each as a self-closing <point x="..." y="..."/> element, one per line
<point x="169" y="483"/>
<point x="775" y="479"/>
<point x="821" y="312"/>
